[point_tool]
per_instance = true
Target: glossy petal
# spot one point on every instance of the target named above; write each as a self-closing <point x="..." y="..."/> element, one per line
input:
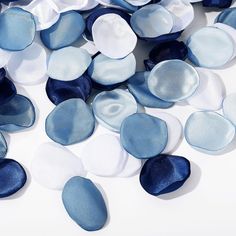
<point x="210" y="47"/>
<point x="152" y="21"/>
<point x="209" y="131"/>
<point x="182" y="12"/>
<point x="112" y="107"/>
<point x="106" y="71"/>
<point x="126" y="5"/>
<point x="44" y="15"/>
<point x="143" y="136"/>
<point x="210" y="92"/>
<point x="29" y="66"/>
<point x="137" y="85"/>
<point x="173" y="80"/>
<point x="49" y="161"/>
<point x="113" y="36"/>
<point x="216" y="3"/>
<point x="70" y="22"/>
<point x="229" y="108"/>
<point x="168" y="50"/>
<point x="164" y="174"/>
<point x="70" y="122"/>
<point x="17" y="114"/>
<point x="12" y="177"/>
<point x="59" y="91"/>
<point x="104" y="156"/>
<point x="68" y="63"/>
<point x="227" y="16"/>
<point x="84" y="203"/>
<point x="7" y="88"/>
<point x="3" y="146"/>
<point x="18" y="27"/>
<point x="174" y="130"/>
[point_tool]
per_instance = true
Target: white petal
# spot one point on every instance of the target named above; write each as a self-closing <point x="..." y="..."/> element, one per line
<point x="29" y="66"/>
<point x="53" y="165"/>
<point x="113" y="36"/>
<point x="210" y="93"/>
<point x="104" y="156"/>
<point x="4" y="57"/>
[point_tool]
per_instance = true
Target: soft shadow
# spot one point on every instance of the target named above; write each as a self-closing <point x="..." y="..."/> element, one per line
<point x="7" y="138"/>
<point x="22" y="191"/>
<point x="106" y="201"/>
<point x="188" y="186"/>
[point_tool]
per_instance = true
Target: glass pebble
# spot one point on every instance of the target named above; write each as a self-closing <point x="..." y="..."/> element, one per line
<point x="173" y="80"/>
<point x="208" y="131"/>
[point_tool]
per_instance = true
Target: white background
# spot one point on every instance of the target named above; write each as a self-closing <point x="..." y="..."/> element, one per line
<point x="205" y="205"/>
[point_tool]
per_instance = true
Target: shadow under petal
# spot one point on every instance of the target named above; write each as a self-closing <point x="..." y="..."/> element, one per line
<point x="191" y="183"/>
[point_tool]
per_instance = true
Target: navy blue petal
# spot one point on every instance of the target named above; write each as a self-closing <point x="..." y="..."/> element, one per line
<point x="164" y="174"/>
<point x="7" y="88"/>
<point x="149" y="64"/>
<point x="164" y="37"/>
<point x="12" y="177"/>
<point x="217" y="3"/>
<point x="168" y="50"/>
<point x="17" y="114"/>
<point x="59" y="91"/>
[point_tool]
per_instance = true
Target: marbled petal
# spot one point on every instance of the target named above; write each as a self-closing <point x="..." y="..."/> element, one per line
<point x="112" y="107"/>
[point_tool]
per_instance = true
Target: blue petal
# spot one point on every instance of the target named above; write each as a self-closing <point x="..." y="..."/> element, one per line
<point x="164" y="174"/>
<point x="17" y="114"/>
<point x="72" y="121"/>
<point x="143" y="136"/>
<point x="208" y="131"/>
<point x="173" y="80"/>
<point x="227" y="17"/>
<point x="59" y="91"/>
<point x="217" y="3"/>
<point x="17" y="29"/>
<point x="7" y="88"/>
<point x="137" y="85"/>
<point x="12" y="177"/>
<point x="84" y="203"/>
<point x="55" y="37"/>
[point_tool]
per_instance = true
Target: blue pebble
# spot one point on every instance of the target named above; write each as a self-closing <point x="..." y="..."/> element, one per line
<point x="228" y="17"/>
<point x="64" y="32"/>
<point x="164" y="174"/>
<point x="3" y="146"/>
<point x="168" y="50"/>
<point x="72" y="121"/>
<point x="17" y="29"/>
<point x="128" y="7"/>
<point x="173" y="80"/>
<point x="217" y="3"/>
<point x="59" y="91"/>
<point x="7" y="88"/>
<point x="101" y="11"/>
<point x="208" y="131"/>
<point x="137" y="85"/>
<point x="17" y="114"/>
<point x="143" y="136"/>
<point x="84" y="203"/>
<point x="12" y="177"/>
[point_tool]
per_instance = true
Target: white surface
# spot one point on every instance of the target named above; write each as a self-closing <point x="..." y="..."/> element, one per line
<point x="204" y="206"/>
